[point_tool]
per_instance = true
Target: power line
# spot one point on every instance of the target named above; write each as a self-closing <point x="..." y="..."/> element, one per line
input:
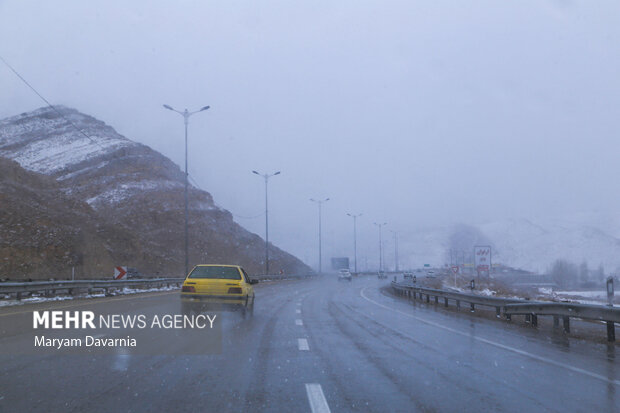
<point x="49" y="104"/>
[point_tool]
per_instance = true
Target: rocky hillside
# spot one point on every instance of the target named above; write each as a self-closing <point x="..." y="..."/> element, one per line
<point x="129" y="198"/>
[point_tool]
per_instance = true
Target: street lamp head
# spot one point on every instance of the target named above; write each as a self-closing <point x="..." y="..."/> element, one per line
<point x="326" y="199"/>
<point x="168" y="107"/>
<point x="277" y="173"/>
<point x="254" y="172"/>
<point x="204" y="108"/>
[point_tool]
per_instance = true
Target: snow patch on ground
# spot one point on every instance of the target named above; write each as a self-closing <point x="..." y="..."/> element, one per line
<point x="126" y="190"/>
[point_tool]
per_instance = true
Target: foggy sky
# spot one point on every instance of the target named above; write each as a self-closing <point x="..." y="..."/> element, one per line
<point x="415" y="113"/>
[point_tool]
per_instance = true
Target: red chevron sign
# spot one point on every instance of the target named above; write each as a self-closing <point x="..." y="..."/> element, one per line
<point x="120" y="273"/>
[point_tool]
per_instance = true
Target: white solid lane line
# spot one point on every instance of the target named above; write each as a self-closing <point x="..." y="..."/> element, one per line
<point x="303" y="344"/>
<point x="498" y="345"/>
<point x="299" y="322"/>
<point x="318" y="404"/>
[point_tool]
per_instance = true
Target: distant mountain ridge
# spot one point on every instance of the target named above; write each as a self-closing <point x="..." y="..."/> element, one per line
<point x="518" y="243"/>
<point x="132" y="188"/>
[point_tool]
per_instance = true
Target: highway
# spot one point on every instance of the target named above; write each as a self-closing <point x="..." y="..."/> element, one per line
<point x="321" y="345"/>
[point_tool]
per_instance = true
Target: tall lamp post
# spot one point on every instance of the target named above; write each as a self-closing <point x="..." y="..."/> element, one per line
<point x="380" y="246"/>
<point x="355" y="237"/>
<point x="186" y="114"/>
<point x="266" y="176"/>
<point x="320" y="202"/>
<point x="395" y="249"/>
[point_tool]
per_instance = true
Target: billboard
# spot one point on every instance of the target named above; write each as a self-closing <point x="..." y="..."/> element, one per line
<point x="338" y="263"/>
<point x="482" y="258"/>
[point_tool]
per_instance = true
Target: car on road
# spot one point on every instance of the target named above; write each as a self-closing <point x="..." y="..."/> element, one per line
<point x="381" y="275"/>
<point x="408" y="275"/>
<point x="430" y="274"/>
<point x="218" y="287"/>
<point x="344" y="275"/>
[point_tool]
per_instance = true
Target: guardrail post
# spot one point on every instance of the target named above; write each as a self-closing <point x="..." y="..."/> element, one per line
<point x="556" y="321"/>
<point x="534" y="320"/>
<point x="458" y="305"/>
<point x="18" y="296"/>
<point x="445" y="302"/>
<point x="611" y="331"/>
<point x="528" y="318"/>
<point x="566" y="320"/>
<point x="471" y="307"/>
<point x="498" y="312"/>
<point x="436" y="300"/>
<point x="428" y="298"/>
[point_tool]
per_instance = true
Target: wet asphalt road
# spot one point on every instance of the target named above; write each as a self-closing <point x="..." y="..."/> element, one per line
<point x="317" y="345"/>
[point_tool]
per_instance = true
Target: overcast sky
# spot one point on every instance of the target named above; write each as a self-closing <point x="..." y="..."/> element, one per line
<point x="415" y="113"/>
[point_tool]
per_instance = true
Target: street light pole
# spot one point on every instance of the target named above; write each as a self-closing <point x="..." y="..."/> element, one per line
<point x="395" y="249"/>
<point x="186" y="114"/>
<point x="355" y="237"/>
<point x="266" y="176"/>
<point x="320" y="202"/>
<point x="380" y="246"/>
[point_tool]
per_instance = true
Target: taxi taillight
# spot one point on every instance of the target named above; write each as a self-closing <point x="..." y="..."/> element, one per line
<point x="188" y="289"/>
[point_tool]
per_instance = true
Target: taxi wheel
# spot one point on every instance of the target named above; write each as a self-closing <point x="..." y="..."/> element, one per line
<point x="250" y="309"/>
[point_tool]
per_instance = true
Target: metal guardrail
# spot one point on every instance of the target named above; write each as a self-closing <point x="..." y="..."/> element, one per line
<point x="509" y="306"/>
<point x="51" y="288"/>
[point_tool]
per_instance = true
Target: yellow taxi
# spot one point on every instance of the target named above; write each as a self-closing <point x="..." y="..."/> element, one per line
<point x="218" y="287"/>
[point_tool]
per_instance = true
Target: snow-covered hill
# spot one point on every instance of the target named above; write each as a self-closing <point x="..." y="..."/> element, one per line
<point x="134" y="188"/>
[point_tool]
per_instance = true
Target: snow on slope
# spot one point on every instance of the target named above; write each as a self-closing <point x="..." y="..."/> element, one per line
<point x="27" y="139"/>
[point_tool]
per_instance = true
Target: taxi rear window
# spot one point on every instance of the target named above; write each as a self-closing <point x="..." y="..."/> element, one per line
<point x="226" y="273"/>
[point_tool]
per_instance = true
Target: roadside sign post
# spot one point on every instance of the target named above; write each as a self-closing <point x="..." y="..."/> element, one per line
<point x="120" y="273"/>
<point x="455" y="270"/>
<point x="472" y="285"/>
<point x="482" y="259"/>
<point x="611" y="329"/>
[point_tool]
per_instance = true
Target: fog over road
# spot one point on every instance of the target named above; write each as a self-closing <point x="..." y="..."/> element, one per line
<point x="320" y="345"/>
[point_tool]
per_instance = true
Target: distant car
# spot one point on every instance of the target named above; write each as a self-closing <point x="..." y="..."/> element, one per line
<point x="381" y="275"/>
<point x="408" y="275"/>
<point x="430" y="274"/>
<point x="344" y="275"/>
<point x="218" y="287"/>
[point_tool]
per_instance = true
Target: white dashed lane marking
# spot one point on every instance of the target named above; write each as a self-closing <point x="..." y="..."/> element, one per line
<point x="299" y="322"/>
<point x="318" y="404"/>
<point x="303" y="344"/>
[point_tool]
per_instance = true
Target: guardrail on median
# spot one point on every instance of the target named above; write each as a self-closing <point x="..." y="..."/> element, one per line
<point x="509" y="306"/>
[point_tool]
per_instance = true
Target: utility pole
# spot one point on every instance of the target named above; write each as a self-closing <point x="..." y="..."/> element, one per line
<point x="320" y="202"/>
<point x="355" y="237"/>
<point x="266" y="176"/>
<point x="380" y="246"/>
<point x="395" y="249"/>
<point x="186" y="114"/>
